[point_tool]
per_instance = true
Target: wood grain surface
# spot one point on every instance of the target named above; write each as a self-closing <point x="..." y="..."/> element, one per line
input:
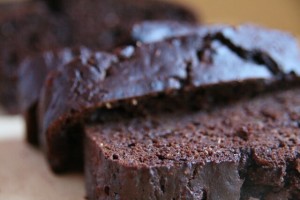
<point x="24" y="174"/>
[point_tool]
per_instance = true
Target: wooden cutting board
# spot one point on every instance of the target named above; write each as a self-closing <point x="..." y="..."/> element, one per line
<point x="24" y="173"/>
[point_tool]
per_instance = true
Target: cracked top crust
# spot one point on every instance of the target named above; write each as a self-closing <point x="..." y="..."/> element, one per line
<point x="210" y="58"/>
<point x="248" y="41"/>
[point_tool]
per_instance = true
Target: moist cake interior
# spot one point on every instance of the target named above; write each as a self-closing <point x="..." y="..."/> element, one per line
<point x="153" y="137"/>
<point x="243" y="150"/>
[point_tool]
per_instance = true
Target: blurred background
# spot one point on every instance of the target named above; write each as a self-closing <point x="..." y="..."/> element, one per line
<point x="18" y="159"/>
<point x="280" y="14"/>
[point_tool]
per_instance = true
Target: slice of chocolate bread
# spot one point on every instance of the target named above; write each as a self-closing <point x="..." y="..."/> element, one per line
<point x="32" y="74"/>
<point x="182" y="67"/>
<point x="25" y="28"/>
<point x="34" y="69"/>
<point x="245" y="150"/>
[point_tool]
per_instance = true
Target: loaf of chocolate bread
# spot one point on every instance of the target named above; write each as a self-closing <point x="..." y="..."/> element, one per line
<point x="25" y="28"/>
<point x="218" y="62"/>
<point x="246" y="150"/>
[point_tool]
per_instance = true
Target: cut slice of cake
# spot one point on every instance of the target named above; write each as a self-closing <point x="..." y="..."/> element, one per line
<point x="246" y="150"/>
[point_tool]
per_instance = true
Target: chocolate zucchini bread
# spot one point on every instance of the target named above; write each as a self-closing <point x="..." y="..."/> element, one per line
<point x="25" y="28"/>
<point x="210" y="66"/>
<point x="246" y="150"/>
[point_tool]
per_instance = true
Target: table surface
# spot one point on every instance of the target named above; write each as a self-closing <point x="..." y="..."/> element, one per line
<point x="23" y="171"/>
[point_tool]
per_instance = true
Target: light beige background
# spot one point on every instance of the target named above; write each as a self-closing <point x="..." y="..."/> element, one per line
<point x="23" y="171"/>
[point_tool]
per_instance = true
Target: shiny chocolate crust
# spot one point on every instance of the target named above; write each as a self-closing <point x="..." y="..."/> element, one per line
<point x="247" y="41"/>
<point x="245" y="150"/>
<point x="157" y="30"/>
<point x="207" y="60"/>
<point x="25" y="28"/>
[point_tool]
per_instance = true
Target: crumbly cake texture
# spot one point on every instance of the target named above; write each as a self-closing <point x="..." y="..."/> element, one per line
<point x="208" y="60"/>
<point x="26" y="28"/>
<point x="244" y="150"/>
